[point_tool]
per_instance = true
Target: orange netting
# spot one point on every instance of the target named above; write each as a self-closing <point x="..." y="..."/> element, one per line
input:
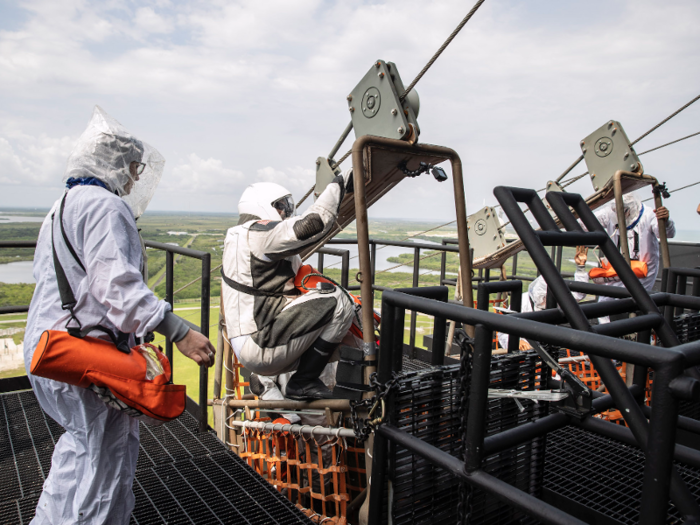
<point x="311" y="472"/>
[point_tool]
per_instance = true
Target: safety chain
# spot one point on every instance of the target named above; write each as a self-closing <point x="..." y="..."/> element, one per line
<point x="363" y="427"/>
<point x="466" y="345"/>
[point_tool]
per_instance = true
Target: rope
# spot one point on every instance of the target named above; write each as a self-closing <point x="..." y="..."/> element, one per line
<point x="311" y="189"/>
<point x="666" y="119"/>
<point x="404" y="239"/>
<point x="427" y="66"/>
<point x="347" y="154"/>
<point x="668" y="144"/>
<point x="569" y="169"/>
<point x="677" y="189"/>
<point x="442" y="48"/>
<point x="409" y="264"/>
<point x="197" y="279"/>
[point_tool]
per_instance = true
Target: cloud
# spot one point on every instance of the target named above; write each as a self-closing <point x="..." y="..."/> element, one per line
<point x="33" y="160"/>
<point x="202" y="175"/>
<point x="257" y="89"/>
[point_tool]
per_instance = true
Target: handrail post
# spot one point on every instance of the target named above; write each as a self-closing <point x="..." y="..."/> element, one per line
<point x="204" y="327"/>
<point x="169" y="269"/>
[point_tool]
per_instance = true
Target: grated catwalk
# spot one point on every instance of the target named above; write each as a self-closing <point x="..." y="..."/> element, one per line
<point x="182" y="477"/>
<point x="603" y="475"/>
<point x="427" y="406"/>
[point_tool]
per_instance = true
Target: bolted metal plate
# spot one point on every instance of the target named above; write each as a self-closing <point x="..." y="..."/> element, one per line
<point x="382" y="173"/>
<point x="375" y="107"/>
<point x="324" y="175"/>
<point x="485" y="237"/>
<point x="608" y="150"/>
<point x="371" y="102"/>
<point x="553" y="186"/>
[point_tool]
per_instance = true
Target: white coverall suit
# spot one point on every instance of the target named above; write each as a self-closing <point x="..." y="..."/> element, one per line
<point x="270" y="333"/>
<point x="94" y="461"/>
<point x="535" y="299"/>
<point x="645" y="227"/>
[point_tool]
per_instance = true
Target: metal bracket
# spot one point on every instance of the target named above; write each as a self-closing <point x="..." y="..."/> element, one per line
<point x="485" y="233"/>
<point x="376" y="108"/>
<point x="608" y="150"/>
<point x="578" y="401"/>
<point x="324" y="175"/>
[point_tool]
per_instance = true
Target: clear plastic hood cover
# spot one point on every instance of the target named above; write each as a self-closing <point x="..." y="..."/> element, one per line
<point x="106" y="151"/>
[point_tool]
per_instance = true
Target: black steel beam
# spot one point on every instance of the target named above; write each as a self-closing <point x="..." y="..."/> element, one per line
<point x="508" y="494"/>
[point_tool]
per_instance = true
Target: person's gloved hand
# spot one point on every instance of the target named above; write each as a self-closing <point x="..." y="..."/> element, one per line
<point x="197" y="347"/>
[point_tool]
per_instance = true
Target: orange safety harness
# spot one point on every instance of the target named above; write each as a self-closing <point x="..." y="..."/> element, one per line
<point x="307" y="278"/>
<point x="136" y="380"/>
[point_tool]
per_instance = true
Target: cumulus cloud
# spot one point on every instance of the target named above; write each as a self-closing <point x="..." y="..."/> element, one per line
<point x="202" y="175"/>
<point x="260" y="86"/>
<point x="33" y="160"/>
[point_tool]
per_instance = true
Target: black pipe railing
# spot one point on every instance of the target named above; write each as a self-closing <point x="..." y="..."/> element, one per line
<point x="170" y="252"/>
<point x="667" y="362"/>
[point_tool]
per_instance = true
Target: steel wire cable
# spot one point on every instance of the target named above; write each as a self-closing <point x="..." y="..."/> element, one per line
<point x="564" y="184"/>
<point x="441" y="49"/>
<point x="666" y="119"/>
<point x="677" y="189"/>
<point x="668" y="144"/>
<point x="400" y="240"/>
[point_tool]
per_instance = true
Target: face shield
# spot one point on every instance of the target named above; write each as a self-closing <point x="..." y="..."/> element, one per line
<point x="285" y="206"/>
<point x="107" y="151"/>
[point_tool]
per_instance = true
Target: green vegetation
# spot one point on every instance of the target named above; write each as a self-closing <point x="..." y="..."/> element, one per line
<point x="206" y="232"/>
<point x="18" y="231"/>
<point x="16" y="294"/>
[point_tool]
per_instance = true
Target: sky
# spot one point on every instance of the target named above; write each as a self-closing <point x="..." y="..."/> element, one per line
<point x="237" y="92"/>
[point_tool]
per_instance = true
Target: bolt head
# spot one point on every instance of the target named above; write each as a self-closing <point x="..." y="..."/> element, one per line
<point x="593" y="176"/>
<point x="380" y="74"/>
<point x="377" y="64"/>
<point x="400" y="130"/>
<point x="349" y="98"/>
<point x="351" y="109"/>
<point x="626" y="155"/>
<point x="394" y="112"/>
<point x="633" y="166"/>
<point x="318" y="162"/>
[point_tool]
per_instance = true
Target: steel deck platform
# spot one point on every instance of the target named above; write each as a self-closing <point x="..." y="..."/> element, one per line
<point x="182" y="476"/>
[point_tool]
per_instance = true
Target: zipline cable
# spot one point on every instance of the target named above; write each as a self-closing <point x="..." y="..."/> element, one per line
<point x="412" y="84"/>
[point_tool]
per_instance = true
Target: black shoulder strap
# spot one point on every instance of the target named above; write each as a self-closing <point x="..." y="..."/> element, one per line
<point x="248" y="290"/>
<point x="68" y="301"/>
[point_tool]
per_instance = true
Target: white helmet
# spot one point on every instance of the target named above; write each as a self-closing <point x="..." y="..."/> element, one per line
<point x="266" y="200"/>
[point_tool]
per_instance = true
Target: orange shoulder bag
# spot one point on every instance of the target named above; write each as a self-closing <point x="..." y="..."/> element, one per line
<point x="135" y="381"/>
<point x="606" y="273"/>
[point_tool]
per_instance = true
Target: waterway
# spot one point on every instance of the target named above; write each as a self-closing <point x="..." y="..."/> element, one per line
<point x="17" y="272"/>
<point x="5" y="218"/>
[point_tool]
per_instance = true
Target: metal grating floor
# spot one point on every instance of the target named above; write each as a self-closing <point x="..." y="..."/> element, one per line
<point x="182" y="476"/>
<point x="603" y="474"/>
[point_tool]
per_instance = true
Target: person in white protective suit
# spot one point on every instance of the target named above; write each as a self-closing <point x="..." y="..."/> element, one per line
<point x="110" y="178"/>
<point x="642" y="235"/>
<point x="273" y="329"/>
<point x="535" y="299"/>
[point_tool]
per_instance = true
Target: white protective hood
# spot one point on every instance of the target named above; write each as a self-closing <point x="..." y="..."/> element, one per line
<point x="632" y="207"/>
<point x="105" y="150"/>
